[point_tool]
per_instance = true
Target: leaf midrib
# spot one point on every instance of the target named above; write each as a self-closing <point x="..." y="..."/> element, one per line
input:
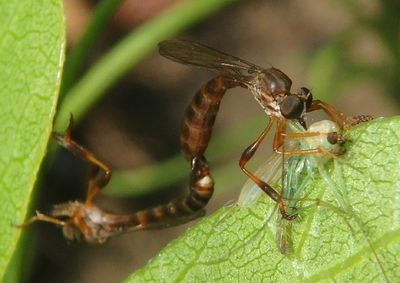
<point x="382" y="242"/>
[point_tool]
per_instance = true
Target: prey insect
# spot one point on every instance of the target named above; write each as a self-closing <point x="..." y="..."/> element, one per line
<point x="270" y="87"/>
<point x="297" y="174"/>
<point x="290" y="171"/>
<point x="84" y="220"/>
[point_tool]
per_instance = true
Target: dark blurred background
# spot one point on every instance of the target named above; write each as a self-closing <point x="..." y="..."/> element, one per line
<point x="137" y="123"/>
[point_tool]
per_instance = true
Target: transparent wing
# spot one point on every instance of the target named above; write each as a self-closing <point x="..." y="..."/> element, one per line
<point x="270" y="171"/>
<point x="196" y="54"/>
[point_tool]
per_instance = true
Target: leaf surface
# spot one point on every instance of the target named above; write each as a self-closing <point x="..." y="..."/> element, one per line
<point x="31" y="57"/>
<point x="359" y="245"/>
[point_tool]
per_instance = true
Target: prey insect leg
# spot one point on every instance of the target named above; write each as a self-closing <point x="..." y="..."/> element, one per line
<point x="280" y="136"/>
<point x="277" y="144"/>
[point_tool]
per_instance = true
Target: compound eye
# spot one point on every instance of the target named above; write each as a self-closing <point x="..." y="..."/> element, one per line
<point x="333" y="138"/>
<point x="292" y="107"/>
<point x="307" y="95"/>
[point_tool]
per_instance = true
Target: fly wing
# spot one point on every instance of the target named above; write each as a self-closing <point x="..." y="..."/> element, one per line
<point x="196" y="54"/>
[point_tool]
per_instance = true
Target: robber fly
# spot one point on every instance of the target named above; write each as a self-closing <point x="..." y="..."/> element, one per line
<point x="270" y="87"/>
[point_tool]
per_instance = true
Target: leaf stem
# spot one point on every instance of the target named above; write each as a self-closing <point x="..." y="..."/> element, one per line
<point x="129" y="52"/>
<point x="103" y="12"/>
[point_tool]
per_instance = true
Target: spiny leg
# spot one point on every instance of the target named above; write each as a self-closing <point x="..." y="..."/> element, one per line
<point x="342" y="120"/>
<point x="41" y="217"/>
<point x="247" y="154"/>
<point x="352" y="121"/>
<point x="277" y="144"/>
<point x="100" y="173"/>
<point x="332" y="113"/>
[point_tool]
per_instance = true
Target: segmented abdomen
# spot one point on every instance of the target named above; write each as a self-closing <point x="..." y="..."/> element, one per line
<point x="200" y="117"/>
<point x="195" y="135"/>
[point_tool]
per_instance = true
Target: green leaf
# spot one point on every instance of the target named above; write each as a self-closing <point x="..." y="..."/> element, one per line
<point x="31" y="57"/>
<point x="361" y="245"/>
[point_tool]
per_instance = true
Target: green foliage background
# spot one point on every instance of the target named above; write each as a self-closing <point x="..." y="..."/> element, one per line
<point x="232" y="244"/>
<point x="31" y="57"/>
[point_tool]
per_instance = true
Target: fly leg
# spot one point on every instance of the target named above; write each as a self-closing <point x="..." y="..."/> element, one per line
<point x="99" y="177"/>
<point x="41" y="217"/>
<point x="342" y="120"/>
<point x="268" y="189"/>
<point x="100" y="173"/>
<point x="332" y="113"/>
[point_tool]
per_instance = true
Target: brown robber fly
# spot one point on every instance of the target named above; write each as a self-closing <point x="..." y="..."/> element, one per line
<point x="270" y="87"/>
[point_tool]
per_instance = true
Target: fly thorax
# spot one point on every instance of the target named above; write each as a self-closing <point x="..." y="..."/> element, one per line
<point x="94" y="220"/>
<point x="264" y="96"/>
<point x="94" y="215"/>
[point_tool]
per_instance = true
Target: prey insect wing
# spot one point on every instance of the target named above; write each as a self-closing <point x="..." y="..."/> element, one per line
<point x="270" y="171"/>
<point x="297" y="180"/>
<point x="296" y="172"/>
<point x="295" y="169"/>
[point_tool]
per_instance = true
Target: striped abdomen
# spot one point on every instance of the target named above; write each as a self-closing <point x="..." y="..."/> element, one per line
<point x="200" y="117"/>
<point x="195" y="136"/>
